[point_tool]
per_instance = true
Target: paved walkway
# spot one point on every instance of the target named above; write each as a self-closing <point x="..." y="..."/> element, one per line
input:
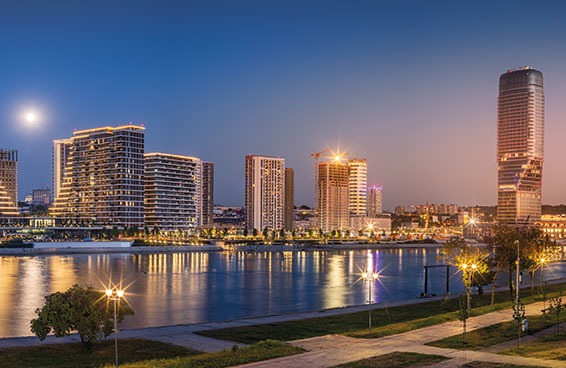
<point x="331" y="350"/>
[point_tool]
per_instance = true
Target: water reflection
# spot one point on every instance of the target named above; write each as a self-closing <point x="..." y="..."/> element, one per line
<point x="195" y="287"/>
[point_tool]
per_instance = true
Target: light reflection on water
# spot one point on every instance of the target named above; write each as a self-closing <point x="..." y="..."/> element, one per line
<point x="174" y="288"/>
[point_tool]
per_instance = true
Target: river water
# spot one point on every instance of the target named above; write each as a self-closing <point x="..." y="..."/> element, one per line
<point x="174" y="288"/>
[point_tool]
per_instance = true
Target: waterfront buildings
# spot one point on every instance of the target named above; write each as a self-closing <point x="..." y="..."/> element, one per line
<point x="554" y="226"/>
<point x="60" y="154"/>
<point x="375" y="201"/>
<point x="41" y="196"/>
<point x="520" y="146"/>
<point x="264" y="192"/>
<point x="173" y="192"/>
<point x="102" y="177"/>
<point x="207" y="203"/>
<point x="333" y="200"/>
<point x="289" y="198"/>
<point x="372" y="223"/>
<point x="8" y="183"/>
<point x="357" y="187"/>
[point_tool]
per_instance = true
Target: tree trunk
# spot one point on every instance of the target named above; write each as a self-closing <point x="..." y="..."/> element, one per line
<point x="511" y="283"/>
<point x="493" y="284"/>
<point x="532" y="272"/>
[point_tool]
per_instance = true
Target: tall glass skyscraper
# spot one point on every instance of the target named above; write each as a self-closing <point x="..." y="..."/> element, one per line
<point x="520" y="146"/>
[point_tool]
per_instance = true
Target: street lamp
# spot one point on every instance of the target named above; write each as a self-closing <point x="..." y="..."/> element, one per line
<point x="115" y="295"/>
<point x="542" y="261"/>
<point x="370" y="278"/>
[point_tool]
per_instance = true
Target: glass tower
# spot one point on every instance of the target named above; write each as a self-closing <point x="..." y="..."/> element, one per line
<point x="520" y="146"/>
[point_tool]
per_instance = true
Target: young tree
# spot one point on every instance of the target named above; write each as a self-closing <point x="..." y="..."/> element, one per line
<point x="282" y="233"/>
<point x="265" y="233"/>
<point x="77" y="309"/>
<point x="463" y="315"/>
<point x="555" y="306"/>
<point x="518" y="317"/>
<point x="255" y="233"/>
<point x="245" y="232"/>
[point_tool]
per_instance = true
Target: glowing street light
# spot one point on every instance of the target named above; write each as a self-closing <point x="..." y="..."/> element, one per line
<point x="371" y="278"/>
<point x="115" y="295"/>
<point x="31" y="117"/>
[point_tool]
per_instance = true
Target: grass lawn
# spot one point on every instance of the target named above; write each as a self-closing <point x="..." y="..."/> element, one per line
<point x="494" y="334"/>
<point x="264" y="350"/>
<point x="396" y="360"/>
<point x="495" y="365"/>
<point x="548" y="347"/>
<point x="72" y="354"/>
<point x="385" y="322"/>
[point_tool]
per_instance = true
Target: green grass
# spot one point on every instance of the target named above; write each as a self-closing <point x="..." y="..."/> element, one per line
<point x="264" y="350"/>
<point x="547" y="347"/>
<point x="494" y="334"/>
<point x="72" y="354"/>
<point x="495" y="365"/>
<point x="385" y="322"/>
<point x="396" y="360"/>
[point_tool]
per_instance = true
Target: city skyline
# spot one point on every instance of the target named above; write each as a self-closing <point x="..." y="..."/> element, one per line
<point x="388" y="109"/>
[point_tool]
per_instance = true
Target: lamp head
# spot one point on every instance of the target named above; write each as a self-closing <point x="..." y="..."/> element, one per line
<point x="108" y="292"/>
<point x="120" y="293"/>
<point x="365" y="275"/>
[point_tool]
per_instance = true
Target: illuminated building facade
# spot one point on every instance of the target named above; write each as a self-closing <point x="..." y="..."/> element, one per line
<point x="357" y="186"/>
<point x="289" y="198"/>
<point x="375" y="201"/>
<point x="554" y="226"/>
<point x="8" y="183"/>
<point x="520" y="146"/>
<point x="103" y="177"/>
<point x="173" y="192"/>
<point x="60" y="156"/>
<point x="333" y="188"/>
<point x="41" y="196"/>
<point x="207" y="203"/>
<point x="265" y="192"/>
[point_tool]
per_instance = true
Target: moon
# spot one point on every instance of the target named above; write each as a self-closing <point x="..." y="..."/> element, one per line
<point x="31" y="117"/>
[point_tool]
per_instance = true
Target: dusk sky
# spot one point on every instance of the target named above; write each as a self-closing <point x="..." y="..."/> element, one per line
<point x="411" y="86"/>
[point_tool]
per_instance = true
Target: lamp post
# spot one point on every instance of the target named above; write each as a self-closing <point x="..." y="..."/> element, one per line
<point x="370" y="278"/>
<point x="518" y="262"/>
<point x="115" y="295"/>
<point x="542" y="260"/>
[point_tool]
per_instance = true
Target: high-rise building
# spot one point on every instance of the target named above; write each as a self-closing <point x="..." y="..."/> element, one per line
<point x="207" y="194"/>
<point x="520" y="146"/>
<point x="289" y="198"/>
<point x="375" y="201"/>
<point x="8" y="183"/>
<point x="60" y="156"/>
<point x="357" y="187"/>
<point x="265" y="192"/>
<point x="173" y="191"/>
<point x="41" y="196"/>
<point x="332" y="187"/>
<point x="102" y="177"/>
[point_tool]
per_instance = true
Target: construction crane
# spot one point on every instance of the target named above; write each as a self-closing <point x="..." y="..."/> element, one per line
<point x="336" y="157"/>
<point x="426" y="215"/>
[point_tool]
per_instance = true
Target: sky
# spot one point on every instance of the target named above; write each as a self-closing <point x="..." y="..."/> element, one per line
<point x="410" y="85"/>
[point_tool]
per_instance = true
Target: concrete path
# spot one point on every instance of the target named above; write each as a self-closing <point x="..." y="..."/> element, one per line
<point x="331" y="350"/>
<point x="524" y="340"/>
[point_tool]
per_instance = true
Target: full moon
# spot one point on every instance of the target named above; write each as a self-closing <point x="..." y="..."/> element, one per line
<point x="30" y="117"/>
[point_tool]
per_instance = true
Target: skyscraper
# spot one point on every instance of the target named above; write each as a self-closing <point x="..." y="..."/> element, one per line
<point x="332" y="187"/>
<point x="8" y="183"/>
<point x="103" y="177"/>
<point x="207" y="194"/>
<point x="289" y="198"/>
<point x="375" y="201"/>
<point x="520" y="146"/>
<point x="265" y="192"/>
<point x="357" y="187"/>
<point x="173" y="191"/>
<point x="60" y="156"/>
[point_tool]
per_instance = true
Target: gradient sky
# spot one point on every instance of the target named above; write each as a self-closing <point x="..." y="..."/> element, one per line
<point x="411" y="86"/>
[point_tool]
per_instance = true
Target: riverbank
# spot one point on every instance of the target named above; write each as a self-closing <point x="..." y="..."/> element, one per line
<point x="46" y="250"/>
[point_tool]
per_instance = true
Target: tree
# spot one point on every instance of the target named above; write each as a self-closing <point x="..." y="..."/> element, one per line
<point x="518" y="317"/>
<point x="255" y="233"/>
<point x="146" y="232"/>
<point x="293" y="233"/>
<point x="265" y="233"/>
<point x="555" y="306"/>
<point x="463" y="315"/>
<point x="77" y="309"/>
<point x="115" y="232"/>
<point x="282" y="233"/>
<point x="245" y="232"/>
